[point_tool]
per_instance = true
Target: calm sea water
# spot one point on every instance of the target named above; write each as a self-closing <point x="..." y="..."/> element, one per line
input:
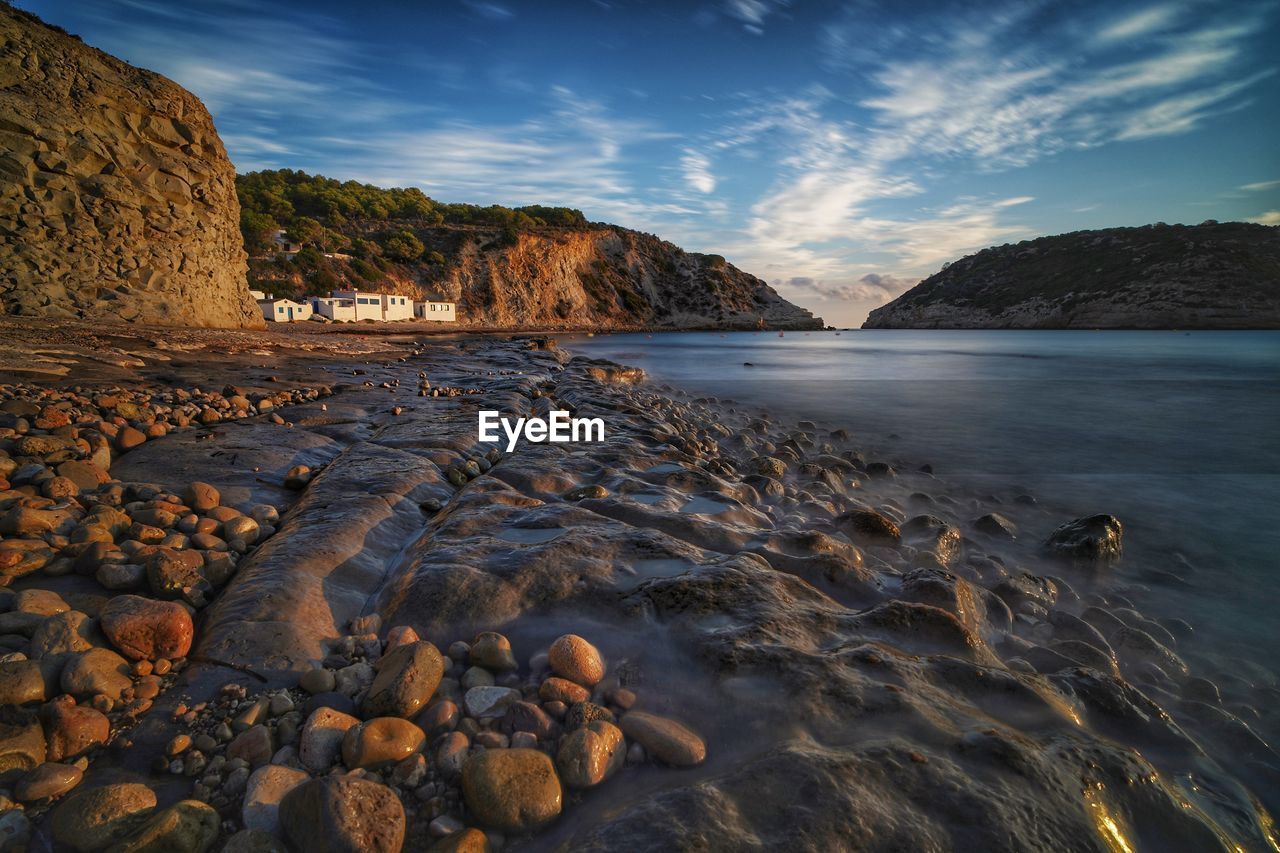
<point x="1176" y="433"/>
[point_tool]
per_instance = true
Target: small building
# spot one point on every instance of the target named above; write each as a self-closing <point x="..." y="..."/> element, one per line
<point x="259" y="295"/>
<point x="283" y="246"/>
<point x="384" y="307"/>
<point x="284" y="310"/>
<point x="336" y="309"/>
<point x="396" y="307"/>
<point x="441" y="312"/>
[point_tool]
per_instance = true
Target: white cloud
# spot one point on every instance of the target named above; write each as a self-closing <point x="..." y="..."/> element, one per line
<point x="697" y="171"/>
<point x="1271" y="217"/>
<point x="1013" y="202"/>
<point x="1261" y="186"/>
<point x="1141" y="23"/>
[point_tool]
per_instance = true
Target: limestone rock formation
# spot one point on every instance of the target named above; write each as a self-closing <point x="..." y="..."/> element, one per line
<point x="117" y="200"/>
<point x="1208" y="276"/>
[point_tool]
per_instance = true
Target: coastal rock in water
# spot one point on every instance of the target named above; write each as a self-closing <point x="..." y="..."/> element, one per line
<point x="1095" y="539"/>
<point x="664" y="739"/>
<point x="145" y="629"/>
<point x="128" y="200"/>
<point x="574" y="658"/>
<point x="512" y="790"/>
<point x="591" y="754"/>
<point x="868" y="527"/>
<point x="343" y="815"/>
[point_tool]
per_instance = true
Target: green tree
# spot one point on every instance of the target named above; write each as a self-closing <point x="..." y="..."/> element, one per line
<point x="402" y="246"/>
<point x="306" y="231"/>
<point x="258" y="229"/>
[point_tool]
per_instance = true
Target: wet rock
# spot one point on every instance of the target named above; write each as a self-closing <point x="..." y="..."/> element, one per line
<point x="253" y="746"/>
<point x="189" y="826"/>
<point x="21" y="682"/>
<point x="145" y="629"/>
<point x="451" y="754"/>
<point x="485" y="702"/>
<point x="438" y="718"/>
<point x="575" y="659"/>
<point x="170" y="571"/>
<point x="664" y="739"/>
<point x="71" y="730"/>
<point x="406" y="678"/>
<point x="996" y="526"/>
<point x="263" y="793"/>
<point x="1096" y="539"/>
<point x="381" y="742"/>
<point x="528" y="717"/>
<point x="97" y="671"/>
<point x="513" y="790"/>
<point x="318" y="680"/>
<point x="321" y="739"/>
<point x="343" y="815"/>
<point x="930" y="533"/>
<point x="493" y="652"/>
<point x="254" y="841"/>
<point x="39" y="601"/>
<point x="562" y="690"/>
<point x="22" y="744"/>
<point x="591" y="754"/>
<point x="580" y="714"/>
<point x="47" y="782"/>
<point x="201" y="497"/>
<point x="298" y="477"/>
<point x="868" y="527"/>
<point x="467" y="840"/>
<point x="62" y="633"/>
<point x="92" y="819"/>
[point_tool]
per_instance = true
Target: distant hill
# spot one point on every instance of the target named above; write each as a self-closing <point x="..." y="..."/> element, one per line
<point x="532" y="267"/>
<point x="1208" y="276"/>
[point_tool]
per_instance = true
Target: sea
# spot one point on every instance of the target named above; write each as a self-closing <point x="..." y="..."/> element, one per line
<point x="1177" y="433"/>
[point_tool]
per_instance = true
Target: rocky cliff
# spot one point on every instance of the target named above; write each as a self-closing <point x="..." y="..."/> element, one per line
<point x="117" y="200"/>
<point x="529" y="268"/>
<point x="1208" y="276"/>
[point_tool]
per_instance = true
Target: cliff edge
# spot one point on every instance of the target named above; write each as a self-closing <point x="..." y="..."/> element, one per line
<point x="1208" y="276"/>
<point x="117" y="200"/>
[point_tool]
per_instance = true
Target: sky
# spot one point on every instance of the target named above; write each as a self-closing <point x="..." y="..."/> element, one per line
<point x="841" y="149"/>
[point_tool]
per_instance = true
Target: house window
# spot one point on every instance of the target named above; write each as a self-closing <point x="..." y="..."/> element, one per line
<point x="280" y="309"/>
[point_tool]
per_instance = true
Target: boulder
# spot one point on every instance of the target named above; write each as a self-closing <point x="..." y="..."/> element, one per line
<point x="511" y="790"/>
<point x="146" y="629"/>
<point x="406" y="678"/>
<point x="342" y="814"/>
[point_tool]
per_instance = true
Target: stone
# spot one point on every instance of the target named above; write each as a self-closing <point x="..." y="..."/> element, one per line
<point x="581" y="713"/>
<point x="170" y="571"/>
<point x="129" y="438"/>
<point x="342" y="814"/>
<point x="254" y="841"/>
<point x="253" y="745"/>
<point x="71" y="730"/>
<point x="146" y="629"/>
<point x="267" y="786"/>
<point x="188" y="826"/>
<point x="298" y="477"/>
<point x="485" y="702"/>
<point x="93" y="819"/>
<point x="406" y="678"/>
<point x="493" y="652"/>
<point x="21" y="682"/>
<point x="868" y="527"/>
<point x="381" y="742"/>
<point x="664" y="739"/>
<point x="451" y="754"/>
<point x="62" y="633"/>
<point x="22" y="744"/>
<point x="1096" y="539"/>
<point x="318" y="680"/>
<point x="573" y="658"/>
<point x="320" y="741"/>
<point x="40" y="601"/>
<point x="121" y="576"/>
<point x="47" y="781"/>
<point x="87" y="475"/>
<point x="201" y="497"/>
<point x="438" y="718"/>
<point x="562" y="690"/>
<point x="591" y="754"/>
<point x="469" y="840"/>
<point x="96" y="671"/>
<point x="996" y="525"/>
<point x="528" y="717"/>
<point x="512" y="790"/>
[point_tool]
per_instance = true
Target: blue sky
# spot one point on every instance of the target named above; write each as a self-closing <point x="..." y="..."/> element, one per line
<point x="841" y="150"/>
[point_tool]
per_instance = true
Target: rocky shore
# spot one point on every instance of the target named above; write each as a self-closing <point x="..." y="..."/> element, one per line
<point x="264" y="591"/>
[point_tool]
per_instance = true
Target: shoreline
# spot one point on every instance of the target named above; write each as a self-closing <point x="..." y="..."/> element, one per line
<point x="812" y="631"/>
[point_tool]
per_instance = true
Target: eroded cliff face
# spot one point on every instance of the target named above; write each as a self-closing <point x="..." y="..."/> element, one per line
<point x="601" y="277"/>
<point x="1208" y="276"/>
<point x="117" y="200"/>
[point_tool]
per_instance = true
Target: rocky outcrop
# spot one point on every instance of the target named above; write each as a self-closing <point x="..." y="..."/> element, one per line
<point x="117" y="200"/>
<point x="1208" y="276"/>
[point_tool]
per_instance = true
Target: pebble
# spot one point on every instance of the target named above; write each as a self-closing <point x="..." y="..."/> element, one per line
<point x="512" y="790"/>
<point x="253" y="745"/>
<point x="21" y="682"/>
<point x="318" y="680"/>
<point x="664" y="739"/>
<point x="451" y="754"/>
<point x="47" y="781"/>
<point x="189" y="826"/>
<point x="71" y="730"/>
<point x="406" y="678"/>
<point x="96" y="671"/>
<point x="485" y="702"/>
<point x="342" y="813"/>
<point x="263" y="793"/>
<point x="492" y="651"/>
<point x="320" y="741"/>
<point x="93" y="819"/>
<point x="562" y="690"/>
<point x="573" y="658"/>
<point x="145" y="629"/>
<point x="381" y="742"/>
<point x="591" y="754"/>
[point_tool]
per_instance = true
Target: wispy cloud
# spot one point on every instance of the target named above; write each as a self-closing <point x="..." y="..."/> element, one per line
<point x="1141" y="23"/>
<point x="752" y="13"/>
<point x="697" y="171"/>
<point x="1261" y="186"/>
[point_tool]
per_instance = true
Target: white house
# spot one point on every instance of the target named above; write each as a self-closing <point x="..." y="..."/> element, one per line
<point x="258" y="295"/>
<point x="443" y="312"/>
<point x="283" y="246"/>
<point x="284" y="310"/>
<point x="339" y="310"/>
<point x="378" y="306"/>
